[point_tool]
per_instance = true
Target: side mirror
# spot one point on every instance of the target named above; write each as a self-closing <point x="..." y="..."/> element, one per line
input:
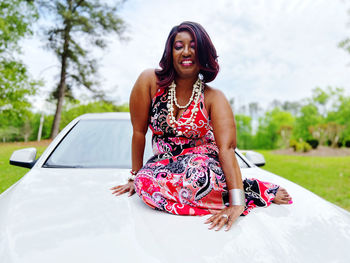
<point x="256" y="158"/>
<point x="24" y="157"/>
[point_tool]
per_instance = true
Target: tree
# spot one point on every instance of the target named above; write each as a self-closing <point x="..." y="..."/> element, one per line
<point x="72" y="111"/>
<point x="16" y="17"/>
<point x="345" y="43"/>
<point x="274" y="129"/>
<point x="244" y="131"/>
<point x="334" y="131"/>
<point x="340" y="114"/>
<point x="78" y="22"/>
<point x="292" y="107"/>
<point x="309" y="116"/>
<point x="319" y="132"/>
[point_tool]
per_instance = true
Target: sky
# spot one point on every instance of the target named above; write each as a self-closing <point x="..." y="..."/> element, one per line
<point x="276" y="49"/>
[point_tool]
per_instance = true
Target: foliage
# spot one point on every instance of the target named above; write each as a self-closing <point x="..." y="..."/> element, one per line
<point x="300" y="146"/>
<point x="26" y="126"/>
<point x="274" y="129"/>
<point x="341" y="115"/>
<point x="309" y="116"/>
<point x="303" y="147"/>
<point x="15" y="87"/>
<point x="321" y="119"/>
<point x="16" y="17"/>
<point x="314" y="143"/>
<point x="244" y="131"/>
<point x="75" y="110"/>
<point x="347" y="144"/>
<point x="78" y="26"/>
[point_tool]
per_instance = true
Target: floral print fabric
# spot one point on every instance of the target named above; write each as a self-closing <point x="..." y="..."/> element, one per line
<point x="184" y="176"/>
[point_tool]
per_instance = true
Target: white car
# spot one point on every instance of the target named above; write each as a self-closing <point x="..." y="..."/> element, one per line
<point x="63" y="211"/>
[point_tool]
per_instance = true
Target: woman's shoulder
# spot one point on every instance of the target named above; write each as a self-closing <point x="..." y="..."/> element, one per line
<point x="147" y="82"/>
<point x="148" y="75"/>
<point x="212" y="94"/>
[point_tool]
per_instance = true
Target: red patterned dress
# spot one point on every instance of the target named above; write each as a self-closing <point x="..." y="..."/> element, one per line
<point x="184" y="176"/>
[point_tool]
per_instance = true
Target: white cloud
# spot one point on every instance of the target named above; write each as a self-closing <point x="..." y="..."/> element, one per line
<point x="267" y="49"/>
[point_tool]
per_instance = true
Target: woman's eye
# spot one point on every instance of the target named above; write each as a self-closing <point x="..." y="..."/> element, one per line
<point x="193" y="45"/>
<point x="178" y="46"/>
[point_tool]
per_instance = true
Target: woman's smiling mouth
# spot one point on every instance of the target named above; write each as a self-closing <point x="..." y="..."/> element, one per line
<point x="187" y="62"/>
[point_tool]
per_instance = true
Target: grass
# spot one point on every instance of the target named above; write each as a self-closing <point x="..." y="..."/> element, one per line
<point x="328" y="177"/>
<point x="10" y="174"/>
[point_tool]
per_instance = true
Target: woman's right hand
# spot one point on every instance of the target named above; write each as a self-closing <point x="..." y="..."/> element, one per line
<point x="122" y="189"/>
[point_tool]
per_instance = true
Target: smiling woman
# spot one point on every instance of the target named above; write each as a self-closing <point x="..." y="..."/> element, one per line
<point x="194" y="170"/>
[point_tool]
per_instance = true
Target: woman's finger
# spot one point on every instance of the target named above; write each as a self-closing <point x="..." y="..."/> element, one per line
<point x="215" y="222"/>
<point x="121" y="191"/>
<point x="131" y="191"/>
<point x="120" y="188"/>
<point x="116" y="187"/>
<point x="229" y="223"/>
<point x="115" y="192"/>
<point x="210" y="219"/>
<point x="223" y="220"/>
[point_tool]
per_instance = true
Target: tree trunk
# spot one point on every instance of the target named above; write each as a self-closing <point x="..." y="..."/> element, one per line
<point x="61" y="86"/>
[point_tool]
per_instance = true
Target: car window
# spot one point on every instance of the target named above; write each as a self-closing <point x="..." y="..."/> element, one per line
<point x="99" y="144"/>
<point x="96" y="143"/>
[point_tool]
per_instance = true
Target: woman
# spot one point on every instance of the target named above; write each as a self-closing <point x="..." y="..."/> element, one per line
<point x="190" y="172"/>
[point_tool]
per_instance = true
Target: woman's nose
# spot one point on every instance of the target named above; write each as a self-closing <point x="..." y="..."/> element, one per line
<point x="186" y="51"/>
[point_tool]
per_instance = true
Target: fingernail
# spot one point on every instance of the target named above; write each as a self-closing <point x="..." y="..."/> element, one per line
<point x="290" y="202"/>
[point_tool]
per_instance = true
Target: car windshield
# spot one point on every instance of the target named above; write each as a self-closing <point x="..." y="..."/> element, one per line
<point x="99" y="144"/>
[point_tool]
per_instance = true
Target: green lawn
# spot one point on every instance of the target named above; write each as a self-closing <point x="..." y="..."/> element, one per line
<point x="328" y="177"/>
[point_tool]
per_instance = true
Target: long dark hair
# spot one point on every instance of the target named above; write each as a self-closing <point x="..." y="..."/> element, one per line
<point x="205" y="52"/>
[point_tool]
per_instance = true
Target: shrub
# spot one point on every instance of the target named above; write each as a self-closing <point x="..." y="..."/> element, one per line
<point x="302" y="147"/>
<point x="293" y="144"/>
<point x="347" y="143"/>
<point x="313" y="142"/>
<point x="307" y="147"/>
<point x="339" y="144"/>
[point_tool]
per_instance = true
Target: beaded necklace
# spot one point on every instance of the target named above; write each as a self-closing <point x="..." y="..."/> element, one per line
<point x="196" y="92"/>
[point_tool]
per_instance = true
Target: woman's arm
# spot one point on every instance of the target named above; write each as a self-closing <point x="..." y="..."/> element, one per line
<point x="224" y="128"/>
<point x="140" y="100"/>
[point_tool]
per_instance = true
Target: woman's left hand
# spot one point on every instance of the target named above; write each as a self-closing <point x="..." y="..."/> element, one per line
<point x="225" y="217"/>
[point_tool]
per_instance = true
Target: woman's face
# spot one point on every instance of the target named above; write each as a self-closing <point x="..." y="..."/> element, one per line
<point x="185" y="59"/>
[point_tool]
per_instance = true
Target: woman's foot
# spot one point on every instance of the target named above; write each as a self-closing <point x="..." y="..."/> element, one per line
<point x="282" y="197"/>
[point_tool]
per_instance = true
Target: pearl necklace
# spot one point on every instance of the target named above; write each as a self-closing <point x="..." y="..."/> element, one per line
<point x="189" y="122"/>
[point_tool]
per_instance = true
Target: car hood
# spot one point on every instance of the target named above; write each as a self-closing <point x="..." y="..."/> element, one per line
<point x="70" y="215"/>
